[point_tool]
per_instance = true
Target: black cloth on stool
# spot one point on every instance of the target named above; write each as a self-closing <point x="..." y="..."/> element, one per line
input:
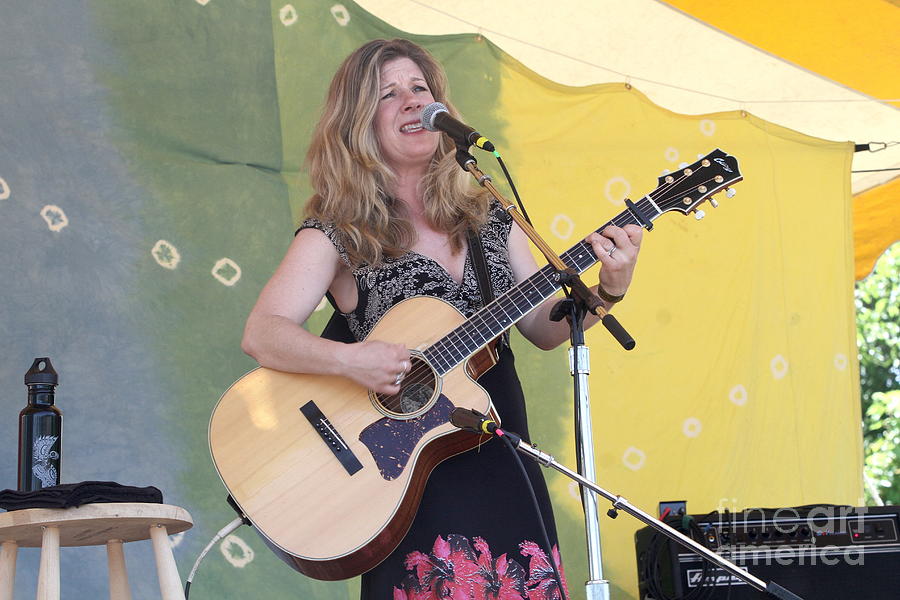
<point x="75" y="494"/>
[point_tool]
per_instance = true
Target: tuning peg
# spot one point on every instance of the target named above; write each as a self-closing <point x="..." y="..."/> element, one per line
<point x="729" y="192"/>
<point x="714" y="202"/>
<point x="699" y="214"/>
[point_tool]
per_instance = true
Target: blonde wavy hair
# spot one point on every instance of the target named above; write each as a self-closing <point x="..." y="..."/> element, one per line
<point x="351" y="180"/>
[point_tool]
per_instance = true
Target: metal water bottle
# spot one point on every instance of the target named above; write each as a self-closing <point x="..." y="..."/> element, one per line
<point x="40" y="430"/>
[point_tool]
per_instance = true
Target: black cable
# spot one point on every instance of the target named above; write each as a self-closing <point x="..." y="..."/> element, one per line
<point x="540" y="518"/>
<point x="512" y="186"/>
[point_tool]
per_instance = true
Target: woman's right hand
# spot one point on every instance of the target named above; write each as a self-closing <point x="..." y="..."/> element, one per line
<point x="376" y="365"/>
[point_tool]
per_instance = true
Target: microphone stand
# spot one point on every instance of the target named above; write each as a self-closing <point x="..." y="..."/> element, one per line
<point x="597" y="588"/>
<point x="771" y="589"/>
<point x="581" y="300"/>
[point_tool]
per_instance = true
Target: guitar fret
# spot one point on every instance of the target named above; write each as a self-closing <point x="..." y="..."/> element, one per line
<point x="508" y="308"/>
<point x="501" y="314"/>
<point x="652" y="203"/>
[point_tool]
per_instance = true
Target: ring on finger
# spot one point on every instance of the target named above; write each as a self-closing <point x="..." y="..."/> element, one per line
<point x="612" y="250"/>
<point x="399" y="378"/>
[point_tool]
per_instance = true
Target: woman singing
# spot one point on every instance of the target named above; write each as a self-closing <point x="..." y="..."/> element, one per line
<point x="388" y="221"/>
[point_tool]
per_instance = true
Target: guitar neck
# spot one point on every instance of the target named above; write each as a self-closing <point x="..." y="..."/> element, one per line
<point x="518" y="301"/>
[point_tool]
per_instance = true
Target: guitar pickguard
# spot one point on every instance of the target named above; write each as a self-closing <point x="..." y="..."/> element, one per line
<point x="392" y="441"/>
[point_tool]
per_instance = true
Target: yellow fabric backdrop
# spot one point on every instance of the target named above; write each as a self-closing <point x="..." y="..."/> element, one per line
<point x="743" y="388"/>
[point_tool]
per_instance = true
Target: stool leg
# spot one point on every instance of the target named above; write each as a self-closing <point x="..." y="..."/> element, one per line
<point x="118" y="576"/>
<point x="169" y="580"/>
<point x="48" y="575"/>
<point x="8" y="552"/>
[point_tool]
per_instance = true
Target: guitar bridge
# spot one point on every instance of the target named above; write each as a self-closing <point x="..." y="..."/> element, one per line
<point x="331" y="437"/>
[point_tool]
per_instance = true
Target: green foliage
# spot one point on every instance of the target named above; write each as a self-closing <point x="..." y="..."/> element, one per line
<point x="882" y="466"/>
<point x="878" y="339"/>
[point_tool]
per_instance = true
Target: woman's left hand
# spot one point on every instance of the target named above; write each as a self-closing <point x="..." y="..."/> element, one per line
<point x="617" y="249"/>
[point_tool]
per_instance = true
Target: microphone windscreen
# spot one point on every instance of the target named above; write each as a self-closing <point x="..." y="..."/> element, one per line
<point x="430" y="112"/>
<point x="467" y="418"/>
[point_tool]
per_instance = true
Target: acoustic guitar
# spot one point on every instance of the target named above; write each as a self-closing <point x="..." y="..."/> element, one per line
<point x="331" y="473"/>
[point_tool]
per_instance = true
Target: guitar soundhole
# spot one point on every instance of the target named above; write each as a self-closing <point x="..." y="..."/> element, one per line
<point x="418" y="392"/>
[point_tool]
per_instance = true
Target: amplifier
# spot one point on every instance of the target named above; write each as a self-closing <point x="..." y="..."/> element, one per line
<point x="817" y="552"/>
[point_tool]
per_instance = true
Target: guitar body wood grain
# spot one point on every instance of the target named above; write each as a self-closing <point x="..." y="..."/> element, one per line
<point x="286" y="478"/>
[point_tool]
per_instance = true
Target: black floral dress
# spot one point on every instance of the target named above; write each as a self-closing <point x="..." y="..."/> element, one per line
<point x="476" y="534"/>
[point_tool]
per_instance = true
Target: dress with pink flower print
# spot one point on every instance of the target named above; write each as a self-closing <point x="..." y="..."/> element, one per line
<point x="454" y="570"/>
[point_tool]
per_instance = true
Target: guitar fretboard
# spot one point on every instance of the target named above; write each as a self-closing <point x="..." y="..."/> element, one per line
<point x="518" y="301"/>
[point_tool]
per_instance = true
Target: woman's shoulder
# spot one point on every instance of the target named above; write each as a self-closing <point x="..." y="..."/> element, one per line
<point x="326" y="227"/>
<point x="334" y="234"/>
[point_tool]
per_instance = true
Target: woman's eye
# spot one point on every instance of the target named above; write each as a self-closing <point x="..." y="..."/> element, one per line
<point x="388" y="95"/>
<point x="420" y="88"/>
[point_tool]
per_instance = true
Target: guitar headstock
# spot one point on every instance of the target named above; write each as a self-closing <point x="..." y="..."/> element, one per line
<point x="683" y="190"/>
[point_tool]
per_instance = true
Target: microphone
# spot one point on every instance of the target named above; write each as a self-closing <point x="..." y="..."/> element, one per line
<point x="469" y="419"/>
<point x="436" y="117"/>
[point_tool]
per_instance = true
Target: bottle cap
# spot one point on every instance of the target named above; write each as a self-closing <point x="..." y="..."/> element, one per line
<point x="41" y="371"/>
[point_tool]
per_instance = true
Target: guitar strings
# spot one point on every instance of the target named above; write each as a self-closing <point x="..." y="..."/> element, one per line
<point x="621" y="219"/>
<point x="482" y="314"/>
<point x="422" y="372"/>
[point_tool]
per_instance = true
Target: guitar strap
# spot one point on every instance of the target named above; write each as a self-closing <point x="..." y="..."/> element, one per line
<point x="476" y="253"/>
<point x="337" y="328"/>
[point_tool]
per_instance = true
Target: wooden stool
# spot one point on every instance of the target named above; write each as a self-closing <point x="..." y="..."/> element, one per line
<point x="111" y="524"/>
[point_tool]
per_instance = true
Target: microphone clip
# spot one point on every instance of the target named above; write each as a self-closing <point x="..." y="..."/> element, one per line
<point x="463" y="157"/>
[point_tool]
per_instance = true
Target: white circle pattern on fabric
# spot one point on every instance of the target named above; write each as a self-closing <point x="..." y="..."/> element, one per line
<point x="202" y="2"/>
<point x="4" y="189"/>
<point x="55" y="217"/>
<point x="840" y="361"/>
<point x="165" y="254"/>
<point x="236" y="551"/>
<point x="634" y="458"/>
<point x="672" y="154"/>
<point x="562" y="226"/>
<point x="692" y="427"/>
<point x="612" y="194"/>
<point x="340" y="14"/>
<point x="226" y="271"/>
<point x="707" y="127"/>
<point x="779" y="366"/>
<point x="287" y="15"/>
<point x="738" y="395"/>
